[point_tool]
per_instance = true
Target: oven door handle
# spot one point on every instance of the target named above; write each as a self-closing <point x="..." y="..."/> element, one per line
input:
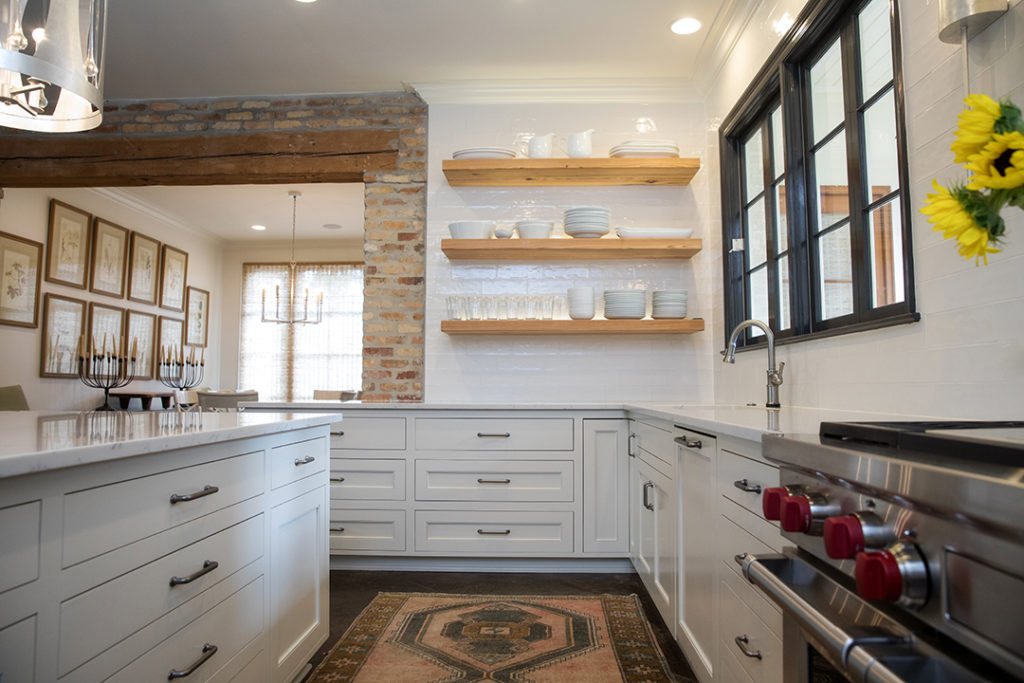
<point x="841" y="645"/>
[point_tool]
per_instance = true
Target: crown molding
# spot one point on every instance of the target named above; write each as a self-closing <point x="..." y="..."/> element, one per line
<point x="670" y="91"/>
<point x="723" y="36"/>
<point x="115" y="195"/>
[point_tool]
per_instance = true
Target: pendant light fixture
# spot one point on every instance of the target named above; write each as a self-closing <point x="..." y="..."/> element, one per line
<point x="51" y="64"/>
<point x="291" y="315"/>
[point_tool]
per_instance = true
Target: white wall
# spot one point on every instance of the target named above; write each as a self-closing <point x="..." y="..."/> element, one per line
<point x="564" y="368"/>
<point x="237" y="253"/>
<point x="25" y="212"/>
<point x="966" y="356"/>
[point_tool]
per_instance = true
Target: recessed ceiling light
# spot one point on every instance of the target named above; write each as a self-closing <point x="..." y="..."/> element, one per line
<point x="305" y="1"/>
<point x="39" y="34"/>
<point x="332" y="226"/>
<point x="685" y="26"/>
<point x="259" y="228"/>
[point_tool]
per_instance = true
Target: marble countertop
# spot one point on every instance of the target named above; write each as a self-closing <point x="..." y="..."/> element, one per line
<point x="740" y="421"/>
<point x="36" y="441"/>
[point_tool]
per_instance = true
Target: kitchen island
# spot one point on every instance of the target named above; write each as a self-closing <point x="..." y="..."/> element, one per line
<point x="140" y="544"/>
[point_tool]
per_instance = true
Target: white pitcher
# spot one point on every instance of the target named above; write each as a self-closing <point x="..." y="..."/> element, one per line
<point x="540" y="146"/>
<point x="580" y="144"/>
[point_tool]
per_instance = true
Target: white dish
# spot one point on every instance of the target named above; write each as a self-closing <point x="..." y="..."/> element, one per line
<point x="654" y="233"/>
<point x="475" y="230"/>
<point x="644" y="155"/>
<point x="484" y="153"/>
<point x="534" y="230"/>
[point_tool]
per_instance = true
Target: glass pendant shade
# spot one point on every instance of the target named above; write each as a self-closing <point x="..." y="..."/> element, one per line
<point x="51" y="60"/>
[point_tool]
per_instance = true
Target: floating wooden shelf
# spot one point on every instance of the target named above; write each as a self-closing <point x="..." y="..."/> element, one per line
<point x="564" y="249"/>
<point x="544" y="327"/>
<point x="519" y="172"/>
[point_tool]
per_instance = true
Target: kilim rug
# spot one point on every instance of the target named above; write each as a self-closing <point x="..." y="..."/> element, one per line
<point x="421" y="637"/>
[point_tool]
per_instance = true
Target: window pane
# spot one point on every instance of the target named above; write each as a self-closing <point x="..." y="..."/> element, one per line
<point x="758" y="299"/>
<point x="778" y="148"/>
<point x="782" y="274"/>
<point x="757" y="251"/>
<point x="753" y="162"/>
<point x="827" y="92"/>
<point x="875" y="47"/>
<point x="835" y="278"/>
<point x="886" y="243"/>
<point x="881" y="165"/>
<point x="781" y="221"/>
<point x="831" y="182"/>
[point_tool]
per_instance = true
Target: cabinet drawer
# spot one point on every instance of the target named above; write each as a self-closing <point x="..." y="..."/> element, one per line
<point x="655" y="441"/>
<point x="494" y="480"/>
<point x="734" y="539"/>
<point x="295" y="461"/>
<point x="369" y="433"/>
<point x="494" y="434"/>
<point x="738" y="620"/>
<point x="755" y="601"/>
<point x="149" y="590"/>
<point x="100" y="519"/>
<point x="367" y="529"/>
<point x="734" y="469"/>
<point x="19" y="559"/>
<point x="493" y="532"/>
<point x="18" y="651"/>
<point x="366" y="479"/>
<point x="229" y="626"/>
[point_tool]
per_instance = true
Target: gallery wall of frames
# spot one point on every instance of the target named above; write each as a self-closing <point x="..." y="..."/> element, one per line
<point x="148" y="312"/>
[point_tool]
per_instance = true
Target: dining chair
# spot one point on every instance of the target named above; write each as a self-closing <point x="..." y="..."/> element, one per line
<point x="13" y="398"/>
<point x="224" y="400"/>
<point x="331" y="395"/>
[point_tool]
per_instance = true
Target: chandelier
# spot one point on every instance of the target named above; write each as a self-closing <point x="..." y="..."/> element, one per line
<point x="51" y="56"/>
<point x="291" y="315"/>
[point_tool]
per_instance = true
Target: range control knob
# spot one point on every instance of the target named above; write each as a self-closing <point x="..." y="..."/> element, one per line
<point x="848" y="535"/>
<point x="771" y="500"/>
<point x="896" y="574"/>
<point x="806" y="512"/>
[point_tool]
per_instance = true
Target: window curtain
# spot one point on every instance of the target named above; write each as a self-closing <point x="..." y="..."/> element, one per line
<point x="286" y="362"/>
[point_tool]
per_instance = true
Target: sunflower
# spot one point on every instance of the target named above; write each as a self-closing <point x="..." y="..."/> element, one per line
<point x="999" y="165"/>
<point x="977" y="123"/>
<point x="964" y="215"/>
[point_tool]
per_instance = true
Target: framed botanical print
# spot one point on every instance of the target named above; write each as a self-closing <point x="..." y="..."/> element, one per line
<point x="139" y="337"/>
<point x="106" y="327"/>
<point x="20" y="261"/>
<point x="67" y="245"/>
<point x="143" y="269"/>
<point x="170" y="336"/>
<point x="109" y="258"/>
<point x="63" y="327"/>
<point x="197" y="315"/>
<point x="172" y="278"/>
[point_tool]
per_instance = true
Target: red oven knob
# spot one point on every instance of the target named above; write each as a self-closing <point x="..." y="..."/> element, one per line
<point x="771" y="501"/>
<point x="796" y="514"/>
<point x="897" y="574"/>
<point x="847" y="535"/>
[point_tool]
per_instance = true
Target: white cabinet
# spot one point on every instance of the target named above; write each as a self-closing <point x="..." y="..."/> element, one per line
<point x="605" y="485"/>
<point x="695" y="628"/>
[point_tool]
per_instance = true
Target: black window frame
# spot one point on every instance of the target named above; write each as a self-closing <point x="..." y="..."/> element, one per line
<point x="783" y="80"/>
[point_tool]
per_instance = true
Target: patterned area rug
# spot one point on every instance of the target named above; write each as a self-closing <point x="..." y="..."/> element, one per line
<point x="420" y="637"/>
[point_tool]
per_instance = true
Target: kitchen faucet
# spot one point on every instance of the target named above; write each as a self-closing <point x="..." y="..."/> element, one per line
<point x="774" y="376"/>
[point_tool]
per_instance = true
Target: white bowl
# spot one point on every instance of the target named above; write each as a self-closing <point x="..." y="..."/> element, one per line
<point x="503" y="231"/>
<point x="473" y="230"/>
<point x="534" y="230"/>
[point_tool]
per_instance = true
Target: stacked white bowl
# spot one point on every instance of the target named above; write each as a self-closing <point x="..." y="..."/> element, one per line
<point x="669" y="303"/>
<point x="587" y="221"/>
<point x="581" y="303"/>
<point x="625" y="303"/>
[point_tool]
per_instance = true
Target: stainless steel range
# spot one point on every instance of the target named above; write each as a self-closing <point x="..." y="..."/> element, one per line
<point x="909" y="563"/>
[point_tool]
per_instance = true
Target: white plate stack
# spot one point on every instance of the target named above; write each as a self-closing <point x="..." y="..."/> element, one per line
<point x="587" y="221"/>
<point x="485" y="153"/>
<point x="644" y="149"/>
<point x="669" y="303"/>
<point x="581" y="303"/>
<point x="625" y="303"/>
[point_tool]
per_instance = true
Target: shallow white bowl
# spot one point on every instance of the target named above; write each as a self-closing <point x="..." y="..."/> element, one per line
<point x="534" y="230"/>
<point x="472" y="230"/>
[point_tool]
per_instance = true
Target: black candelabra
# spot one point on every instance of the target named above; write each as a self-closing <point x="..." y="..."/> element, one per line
<point x="106" y="371"/>
<point x="181" y="372"/>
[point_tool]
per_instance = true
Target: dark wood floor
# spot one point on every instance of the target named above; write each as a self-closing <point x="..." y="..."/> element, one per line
<point x="352" y="591"/>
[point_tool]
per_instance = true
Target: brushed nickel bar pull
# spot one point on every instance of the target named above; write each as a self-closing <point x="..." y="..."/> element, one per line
<point x="304" y="461"/>
<point x="338" y="433"/>
<point x="485" y="435"/>
<point x="683" y="441"/>
<point x="494" y="481"/>
<point x="743" y="485"/>
<point x="506" y="532"/>
<point x="208" y="651"/>
<point x="742" y="642"/>
<point x="185" y="497"/>
<point x="337" y="529"/>
<point x="337" y="478"/>
<point x="208" y="567"/>
<point x="647" y="487"/>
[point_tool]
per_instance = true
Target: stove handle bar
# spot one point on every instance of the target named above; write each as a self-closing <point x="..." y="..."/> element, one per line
<point x="841" y="645"/>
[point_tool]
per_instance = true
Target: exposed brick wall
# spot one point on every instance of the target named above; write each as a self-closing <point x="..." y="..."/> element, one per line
<point x="395" y="205"/>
